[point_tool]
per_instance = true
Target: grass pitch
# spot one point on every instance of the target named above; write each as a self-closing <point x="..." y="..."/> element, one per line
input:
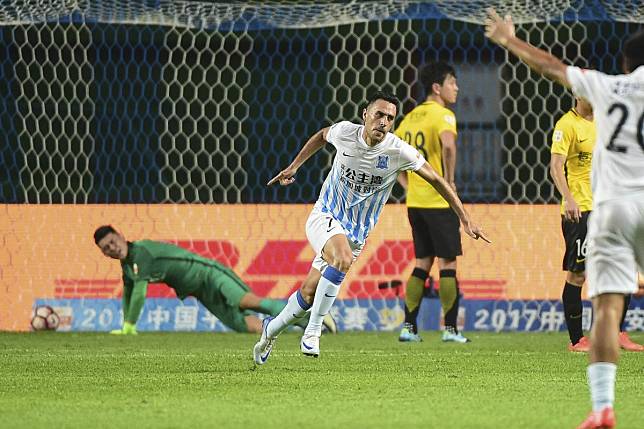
<point x="199" y="380"/>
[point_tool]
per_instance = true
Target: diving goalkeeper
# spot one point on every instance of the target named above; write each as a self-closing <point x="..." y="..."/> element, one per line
<point x="217" y="287"/>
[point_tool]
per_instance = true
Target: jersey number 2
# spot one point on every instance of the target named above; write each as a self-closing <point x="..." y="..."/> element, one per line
<point x="624" y="112"/>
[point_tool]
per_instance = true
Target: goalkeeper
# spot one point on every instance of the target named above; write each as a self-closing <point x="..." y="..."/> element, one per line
<point x="217" y="287"/>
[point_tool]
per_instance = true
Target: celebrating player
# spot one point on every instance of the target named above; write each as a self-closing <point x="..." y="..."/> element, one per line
<point x="573" y="141"/>
<point x="616" y="226"/>
<point x="367" y="161"/>
<point x="217" y="287"/>
<point x="431" y="128"/>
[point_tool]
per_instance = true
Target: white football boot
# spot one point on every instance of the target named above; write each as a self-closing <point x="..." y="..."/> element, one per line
<point x="310" y="345"/>
<point x="450" y="335"/>
<point x="264" y="346"/>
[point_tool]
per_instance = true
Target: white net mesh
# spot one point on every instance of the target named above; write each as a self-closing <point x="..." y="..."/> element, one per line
<point x="195" y="102"/>
<point x="307" y="14"/>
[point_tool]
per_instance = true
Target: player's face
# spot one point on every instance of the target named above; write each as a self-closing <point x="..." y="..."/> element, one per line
<point x="449" y="90"/>
<point x="113" y="246"/>
<point x="584" y="105"/>
<point x="378" y="119"/>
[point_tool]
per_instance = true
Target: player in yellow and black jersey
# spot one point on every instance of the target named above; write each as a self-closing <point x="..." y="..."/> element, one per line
<point x="431" y="128"/>
<point x="573" y="141"/>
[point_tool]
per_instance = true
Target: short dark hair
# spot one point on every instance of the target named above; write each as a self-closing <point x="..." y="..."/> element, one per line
<point x="435" y="73"/>
<point x="633" y="51"/>
<point x="382" y="95"/>
<point x="102" y="231"/>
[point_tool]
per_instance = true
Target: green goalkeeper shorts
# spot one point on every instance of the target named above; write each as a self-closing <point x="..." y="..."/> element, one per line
<point x="221" y="294"/>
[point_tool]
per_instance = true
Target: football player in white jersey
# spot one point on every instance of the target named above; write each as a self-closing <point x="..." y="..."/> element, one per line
<point x="616" y="225"/>
<point x="367" y="162"/>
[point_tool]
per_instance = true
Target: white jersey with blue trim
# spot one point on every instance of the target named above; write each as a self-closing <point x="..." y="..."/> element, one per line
<point x="618" y="106"/>
<point x="362" y="176"/>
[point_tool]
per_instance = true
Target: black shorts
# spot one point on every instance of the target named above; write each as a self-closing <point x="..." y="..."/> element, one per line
<point x="436" y="232"/>
<point x="575" y="237"/>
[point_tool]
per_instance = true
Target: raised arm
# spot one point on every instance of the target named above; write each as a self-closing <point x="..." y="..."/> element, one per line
<point x="501" y="32"/>
<point x="433" y="178"/>
<point x="315" y="143"/>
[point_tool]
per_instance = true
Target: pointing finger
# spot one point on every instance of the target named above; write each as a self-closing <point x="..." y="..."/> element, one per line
<point x="274" y="179"/>
<point x="483" y="237"/>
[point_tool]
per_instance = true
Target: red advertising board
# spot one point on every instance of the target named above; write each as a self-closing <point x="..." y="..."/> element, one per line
<point x="48" y="251"/>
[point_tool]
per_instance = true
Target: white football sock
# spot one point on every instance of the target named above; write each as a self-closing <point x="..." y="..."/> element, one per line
<point x="601" y="379"/>
<point x="295" y="308"/>
<point x="325" y="295"/>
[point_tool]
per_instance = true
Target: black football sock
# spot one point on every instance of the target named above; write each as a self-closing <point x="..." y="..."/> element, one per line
<point x="448" y="289"/>
<point x="573" y="310"/>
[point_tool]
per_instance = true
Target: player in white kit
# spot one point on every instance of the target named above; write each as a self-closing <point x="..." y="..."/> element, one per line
<point x="616" y="225"/>
<point x="367" y="162"/>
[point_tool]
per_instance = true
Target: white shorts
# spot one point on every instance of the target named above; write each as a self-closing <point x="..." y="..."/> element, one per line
<point x="615" y="247"/>
<point x="320" y="227"/>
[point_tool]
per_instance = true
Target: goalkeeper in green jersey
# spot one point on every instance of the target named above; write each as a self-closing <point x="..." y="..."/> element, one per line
<point x="217" y="287"/>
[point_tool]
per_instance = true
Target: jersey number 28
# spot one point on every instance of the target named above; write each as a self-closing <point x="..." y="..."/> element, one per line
<point x="418" y="142"/>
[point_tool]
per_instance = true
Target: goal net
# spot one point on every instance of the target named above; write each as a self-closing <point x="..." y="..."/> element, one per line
<point x="167" y="118"/>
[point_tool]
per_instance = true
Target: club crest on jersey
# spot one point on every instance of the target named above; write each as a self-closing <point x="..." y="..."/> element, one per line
<point x="383" y="162"/>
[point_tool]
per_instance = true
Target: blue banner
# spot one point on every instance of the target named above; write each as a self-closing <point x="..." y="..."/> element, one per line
<point x="167" y="314"/>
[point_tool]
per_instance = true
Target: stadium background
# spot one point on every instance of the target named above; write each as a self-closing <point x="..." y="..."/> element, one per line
<point x="166" y="119"/>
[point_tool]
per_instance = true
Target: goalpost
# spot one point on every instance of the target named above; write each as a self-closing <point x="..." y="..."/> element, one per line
<point x="167" y="118"/>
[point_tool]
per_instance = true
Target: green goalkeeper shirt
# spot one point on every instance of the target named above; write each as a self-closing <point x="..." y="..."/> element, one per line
<point x="154" y="261"/>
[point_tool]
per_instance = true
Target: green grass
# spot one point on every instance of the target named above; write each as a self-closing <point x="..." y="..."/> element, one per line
<point x="361" y="380"/>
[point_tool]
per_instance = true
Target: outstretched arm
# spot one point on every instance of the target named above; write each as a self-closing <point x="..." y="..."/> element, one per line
<point x="133" y="301"/>
<point x="433" y="178"/>
<point x="315" y="143"/>
<point x="137" y="300"/>
<point x="128" y="286"/>
<point x="501" y="32"/>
